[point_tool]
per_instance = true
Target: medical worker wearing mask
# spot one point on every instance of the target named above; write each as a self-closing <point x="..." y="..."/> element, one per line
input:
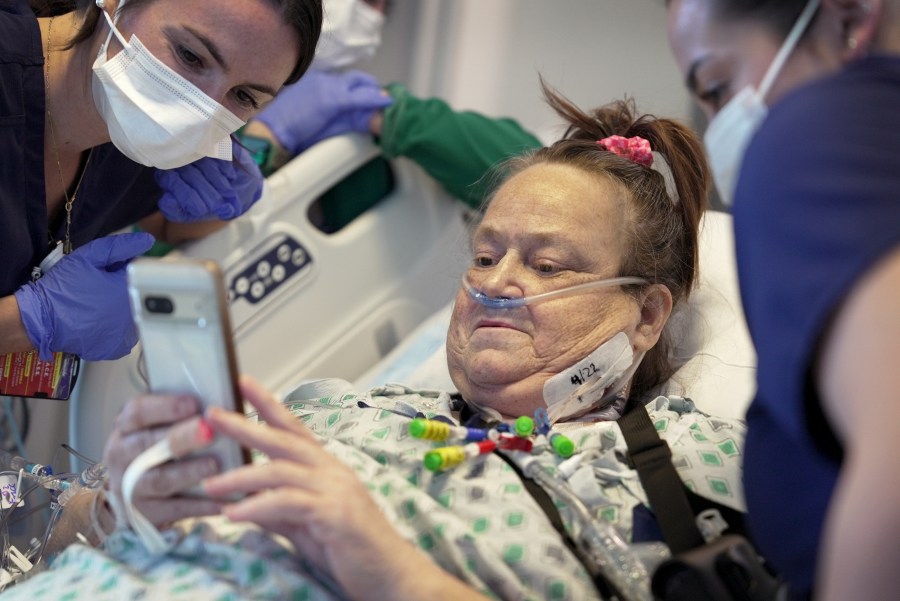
<point x="455" y="148"/>
<point x="804" y="97"/>
<point x="112" y="111"/>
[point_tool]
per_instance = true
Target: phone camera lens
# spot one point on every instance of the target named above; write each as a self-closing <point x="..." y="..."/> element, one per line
<point x="159" y="304"/>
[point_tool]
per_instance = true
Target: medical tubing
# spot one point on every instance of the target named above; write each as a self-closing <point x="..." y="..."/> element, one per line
<point x="38" y="482"/>
<point x="16" y="463"/>
<point x="46" y="538"/>
<point x="92" y="477"/>
<point x="501" y="302"/>
<point x="613" y="555"/>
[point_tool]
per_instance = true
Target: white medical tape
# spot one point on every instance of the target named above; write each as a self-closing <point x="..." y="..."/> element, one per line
<point x="591" y="382"/>
<point x="147" y="532"/>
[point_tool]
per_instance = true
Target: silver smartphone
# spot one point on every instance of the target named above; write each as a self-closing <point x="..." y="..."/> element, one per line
<point x="181" y="312"/>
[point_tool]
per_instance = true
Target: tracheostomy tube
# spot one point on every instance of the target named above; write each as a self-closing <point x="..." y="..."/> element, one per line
<point x="505" y="302"/>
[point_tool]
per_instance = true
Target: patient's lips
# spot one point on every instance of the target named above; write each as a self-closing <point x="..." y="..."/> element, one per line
<point x="496" y="323"/>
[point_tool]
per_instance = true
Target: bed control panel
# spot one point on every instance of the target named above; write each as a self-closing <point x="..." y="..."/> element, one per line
<point x="267" y="268"/>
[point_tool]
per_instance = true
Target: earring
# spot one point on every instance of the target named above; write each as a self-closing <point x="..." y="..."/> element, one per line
<point x="851" y="43"/>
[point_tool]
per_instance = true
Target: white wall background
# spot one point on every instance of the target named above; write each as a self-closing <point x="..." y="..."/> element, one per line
<point x="486" y="55"/>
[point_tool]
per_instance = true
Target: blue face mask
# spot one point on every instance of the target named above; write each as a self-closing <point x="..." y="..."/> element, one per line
<point x="730" y="132"/>
<point x="503" y="302"/>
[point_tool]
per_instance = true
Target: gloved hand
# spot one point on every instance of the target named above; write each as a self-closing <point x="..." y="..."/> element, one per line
<point x="81" y="305"/>
<point x="210" y="188"/>
<point x="322" y="105"/>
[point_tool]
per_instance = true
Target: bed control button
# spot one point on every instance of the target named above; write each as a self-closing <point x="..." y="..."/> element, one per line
<point x="298" y="256"/>
<point x="268" y="268"/>
<point x="242" y="285"/>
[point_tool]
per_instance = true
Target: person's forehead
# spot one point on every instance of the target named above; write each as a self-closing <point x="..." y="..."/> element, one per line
<point x="692" y="30"/>
<point x="548" y="200"/>
<point x="244" y="33"/>
<point x="700" y="39"/>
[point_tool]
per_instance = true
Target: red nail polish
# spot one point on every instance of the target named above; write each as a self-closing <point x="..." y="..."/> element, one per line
<point x="205" y="432"/>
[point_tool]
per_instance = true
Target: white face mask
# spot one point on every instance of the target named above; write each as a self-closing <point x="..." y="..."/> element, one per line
<point x="596" y="383"/>
<point x="154" y="115"/>
<point x="351" y="33"/>
<point x="731" y="130"/>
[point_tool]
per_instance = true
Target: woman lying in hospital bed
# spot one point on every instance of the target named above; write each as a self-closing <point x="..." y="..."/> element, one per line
<point x="345" y="508"/>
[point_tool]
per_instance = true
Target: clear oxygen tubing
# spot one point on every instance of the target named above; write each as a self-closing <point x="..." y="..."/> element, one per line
<point x="505" y="302"/>
<point x="613" y="555"/>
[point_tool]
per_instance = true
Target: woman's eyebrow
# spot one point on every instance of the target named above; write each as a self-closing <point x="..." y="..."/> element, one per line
<point x="210" y="46"/>
<point x="213" y="50"/>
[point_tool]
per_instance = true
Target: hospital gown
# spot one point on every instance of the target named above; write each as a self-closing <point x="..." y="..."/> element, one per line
<point x="477" y="520"/>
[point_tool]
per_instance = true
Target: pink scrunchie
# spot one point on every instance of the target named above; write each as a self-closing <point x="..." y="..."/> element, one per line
<point x="635" y="149"/>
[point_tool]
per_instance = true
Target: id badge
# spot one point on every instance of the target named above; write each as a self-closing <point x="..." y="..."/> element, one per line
<point x="23" y="374"/>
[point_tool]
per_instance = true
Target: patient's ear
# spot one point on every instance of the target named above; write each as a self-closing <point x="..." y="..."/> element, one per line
<point x="854" y="24"/>
<point x="656" y="307"/>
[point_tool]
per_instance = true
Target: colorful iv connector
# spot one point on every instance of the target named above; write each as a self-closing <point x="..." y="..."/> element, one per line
<point x="516" y="437"/>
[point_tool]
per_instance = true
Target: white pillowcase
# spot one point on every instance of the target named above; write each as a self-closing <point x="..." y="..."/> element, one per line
<point x="709" y="335"/>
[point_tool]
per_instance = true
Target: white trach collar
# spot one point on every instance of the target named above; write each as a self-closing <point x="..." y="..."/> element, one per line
<point x="601" y="377"/>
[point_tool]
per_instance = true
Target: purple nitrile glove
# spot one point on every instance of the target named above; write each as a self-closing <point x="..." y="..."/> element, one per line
<point x="81" y="305"/>
<point x="210" y="188"/>
<point x="322" y="105"/>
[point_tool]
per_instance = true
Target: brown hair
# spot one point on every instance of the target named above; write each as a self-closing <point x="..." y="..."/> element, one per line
<point x="304" y="15"/>
<point x="662" y="238"/>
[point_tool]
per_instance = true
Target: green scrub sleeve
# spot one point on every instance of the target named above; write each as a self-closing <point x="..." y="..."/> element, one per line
<point x="456" y="148"/>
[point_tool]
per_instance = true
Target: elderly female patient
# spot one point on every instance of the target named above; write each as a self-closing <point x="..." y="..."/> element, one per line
<point x="582" y="252"/>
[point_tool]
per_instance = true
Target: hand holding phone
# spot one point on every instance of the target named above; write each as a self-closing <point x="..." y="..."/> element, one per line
<point x="181" y="313"/>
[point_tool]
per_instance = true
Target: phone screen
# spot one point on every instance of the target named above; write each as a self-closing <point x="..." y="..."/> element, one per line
<point x="192" y="359"/>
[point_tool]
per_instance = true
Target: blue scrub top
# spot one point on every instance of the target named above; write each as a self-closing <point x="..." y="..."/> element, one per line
<point x="817" y="205"/>
<point x="115" y="192"/>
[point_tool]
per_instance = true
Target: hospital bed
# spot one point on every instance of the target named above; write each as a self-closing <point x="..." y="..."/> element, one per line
<point x="303" y="302"/>
<point x="371" y="302"/>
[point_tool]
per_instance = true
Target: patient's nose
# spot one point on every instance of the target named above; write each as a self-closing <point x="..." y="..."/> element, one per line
<point x="504" y="279"/>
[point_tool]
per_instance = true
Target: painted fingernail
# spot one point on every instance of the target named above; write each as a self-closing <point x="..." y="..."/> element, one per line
<point x="205" y="432"/>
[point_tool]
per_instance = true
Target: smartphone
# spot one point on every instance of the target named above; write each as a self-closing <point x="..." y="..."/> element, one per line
<point x="181" y="313"/>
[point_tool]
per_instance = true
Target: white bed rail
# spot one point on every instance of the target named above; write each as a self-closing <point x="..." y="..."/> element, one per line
<point x="306" y="303"/>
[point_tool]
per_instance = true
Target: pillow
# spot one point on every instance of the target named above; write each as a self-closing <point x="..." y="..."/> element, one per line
<point x="710" y="342"/>
<point x="709" y="336"/>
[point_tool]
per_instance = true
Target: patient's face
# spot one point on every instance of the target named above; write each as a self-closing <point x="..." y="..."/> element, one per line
<point x="548" y="227"/>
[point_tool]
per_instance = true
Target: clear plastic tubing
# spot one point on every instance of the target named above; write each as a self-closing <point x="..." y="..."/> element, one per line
<point x="618" y="562"/>
<point x="504" y="302"/>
